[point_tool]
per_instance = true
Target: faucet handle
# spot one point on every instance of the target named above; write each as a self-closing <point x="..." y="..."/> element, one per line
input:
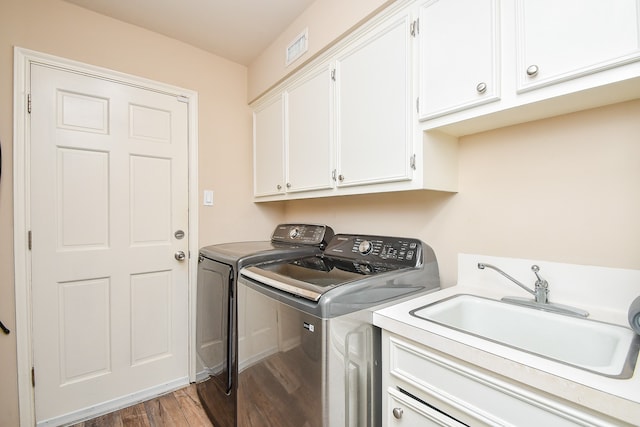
<point x="540" y="281"/>
<point x="541" y="287"/>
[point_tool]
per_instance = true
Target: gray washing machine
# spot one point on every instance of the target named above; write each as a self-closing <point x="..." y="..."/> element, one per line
<point x="309" y="354"/>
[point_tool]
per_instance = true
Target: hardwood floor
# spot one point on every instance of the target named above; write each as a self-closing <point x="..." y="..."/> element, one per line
<point x="274" y="396"/>
<point x="283" y="390"/>
<point x="181" y="409"/>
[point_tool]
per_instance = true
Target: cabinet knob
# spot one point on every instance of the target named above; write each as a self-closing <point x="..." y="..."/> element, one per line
<point x="397" y="413"/>
<point x="279" y="187"/>
<point x="288" y="185"/>
<point x="481" y="87"/>
<point x="532" y="70"/>
<point x="340" y="177"/>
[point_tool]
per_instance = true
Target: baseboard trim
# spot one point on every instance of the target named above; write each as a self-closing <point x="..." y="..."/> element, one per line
<point x="115" y="404"/>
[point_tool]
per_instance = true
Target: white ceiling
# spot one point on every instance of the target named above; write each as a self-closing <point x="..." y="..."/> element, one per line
<point x="234" y="29"/>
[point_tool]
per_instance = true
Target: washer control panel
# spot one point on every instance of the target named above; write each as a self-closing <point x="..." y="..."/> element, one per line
<point x="303" y="234"/>
<point x="398" y="251"/>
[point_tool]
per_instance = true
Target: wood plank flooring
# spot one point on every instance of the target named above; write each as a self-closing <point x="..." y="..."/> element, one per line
<point x="280" y="391"/>
<point x="283" y="390"/>
<point x="180" y="409"/>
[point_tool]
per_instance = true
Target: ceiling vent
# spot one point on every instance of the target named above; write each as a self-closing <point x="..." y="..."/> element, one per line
<point x="297" y="47"/>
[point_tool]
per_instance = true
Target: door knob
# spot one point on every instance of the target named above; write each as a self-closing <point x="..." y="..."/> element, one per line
<point x="180" y="255"/>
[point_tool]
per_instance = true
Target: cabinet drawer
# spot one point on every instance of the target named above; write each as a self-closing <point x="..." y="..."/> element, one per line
<point x="405" y="411"/>
<point x="475" y="397"/>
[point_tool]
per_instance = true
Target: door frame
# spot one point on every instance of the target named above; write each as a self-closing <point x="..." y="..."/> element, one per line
<point x="23" y="58"/>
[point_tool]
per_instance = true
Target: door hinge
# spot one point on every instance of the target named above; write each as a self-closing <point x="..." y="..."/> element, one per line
<point x="29" y="103"/>
<point x="33" y="376"/>
<point x="414" y="28"/>
<point x="182" y="98"/>
<point x="418" y="104"/>
<point x="29" y="239"/>
<point x="333" y="74"/>
<point x="412" y="162"/>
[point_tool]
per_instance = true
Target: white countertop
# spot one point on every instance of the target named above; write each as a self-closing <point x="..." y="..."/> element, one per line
<point x="606" y="293"/>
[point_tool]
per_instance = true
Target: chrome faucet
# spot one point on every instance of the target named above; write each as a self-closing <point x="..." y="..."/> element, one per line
<point x="540" y="292"/>
<point x="541" y="287"/>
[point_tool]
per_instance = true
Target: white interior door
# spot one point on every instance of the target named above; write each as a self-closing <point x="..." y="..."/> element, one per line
<point x="108" y="191"/>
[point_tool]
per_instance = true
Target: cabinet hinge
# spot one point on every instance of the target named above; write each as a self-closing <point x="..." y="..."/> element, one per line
<point x="418" y="104"/>
<point x="333" y="74"/>
<point x="412" y="162"/>
<point x="33" y="376"/>
<point x="29" y="103"/>
<point x="29" y="240"/>
<point x="414" y="28"/>
<point x="333" y="174"/>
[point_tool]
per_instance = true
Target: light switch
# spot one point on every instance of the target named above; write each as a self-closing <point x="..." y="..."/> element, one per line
<point x="208" y="198"/>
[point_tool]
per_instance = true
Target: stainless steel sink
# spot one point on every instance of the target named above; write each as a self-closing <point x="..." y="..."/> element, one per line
<point x="599" y="347"/>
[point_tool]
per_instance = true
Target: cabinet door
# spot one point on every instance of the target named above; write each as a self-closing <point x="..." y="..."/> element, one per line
<point x="374" y="138"/>
<point x="268" y="148"/>
<point x="309" y="123"/>
<point x="458" y="55"/>
<point x="560" y="40"/>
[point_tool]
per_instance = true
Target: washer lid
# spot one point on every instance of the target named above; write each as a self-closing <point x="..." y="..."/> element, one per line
<point x="312" y="277"/>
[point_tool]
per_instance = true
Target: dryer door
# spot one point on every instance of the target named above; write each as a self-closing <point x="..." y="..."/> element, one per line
<point x="214" y="340"/>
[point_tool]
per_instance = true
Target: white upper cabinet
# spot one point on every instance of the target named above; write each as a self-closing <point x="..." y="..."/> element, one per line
<point x="544" y="57"/>
<point x="561" y="40"/>
<point x="268" y="147"/>
<point x="382" y="108"/>
<point x="374" y="116"/>
<point x="346" y="123"/>
<point x="459" y="51"/>
<point x="309" y="142"/>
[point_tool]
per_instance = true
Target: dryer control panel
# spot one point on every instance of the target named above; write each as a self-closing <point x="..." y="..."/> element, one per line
<point x="303" y="234"/>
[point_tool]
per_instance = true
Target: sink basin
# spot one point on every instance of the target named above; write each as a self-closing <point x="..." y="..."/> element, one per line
<point x="603" y="348"/>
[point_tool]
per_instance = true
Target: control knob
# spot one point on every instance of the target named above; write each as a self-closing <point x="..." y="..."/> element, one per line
<point x="294" y="232"/>
<point x="365" y="247"/>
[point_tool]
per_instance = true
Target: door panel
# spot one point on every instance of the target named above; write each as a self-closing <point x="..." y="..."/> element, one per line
<point x="108" y="188"/>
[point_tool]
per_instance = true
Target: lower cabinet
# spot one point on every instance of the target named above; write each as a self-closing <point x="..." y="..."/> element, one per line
<point x="422" y="387"/>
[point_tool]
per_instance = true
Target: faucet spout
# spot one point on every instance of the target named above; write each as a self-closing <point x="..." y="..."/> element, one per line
<point x="482" y="266"/>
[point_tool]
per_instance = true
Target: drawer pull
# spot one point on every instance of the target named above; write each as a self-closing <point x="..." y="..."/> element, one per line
<point x="397" y="413"/>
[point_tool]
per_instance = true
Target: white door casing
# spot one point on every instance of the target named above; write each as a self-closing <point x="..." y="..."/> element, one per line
<point x="108" y="187"/>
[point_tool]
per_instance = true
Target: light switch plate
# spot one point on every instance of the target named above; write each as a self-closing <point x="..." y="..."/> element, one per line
<point x="208" y="198"/>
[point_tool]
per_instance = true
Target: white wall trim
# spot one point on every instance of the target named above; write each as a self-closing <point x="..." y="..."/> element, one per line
<point x="23" y="59"/>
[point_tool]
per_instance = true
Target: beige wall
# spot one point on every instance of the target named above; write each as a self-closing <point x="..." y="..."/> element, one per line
<point x="564" y="189"/>
<point x="62" y="29"/>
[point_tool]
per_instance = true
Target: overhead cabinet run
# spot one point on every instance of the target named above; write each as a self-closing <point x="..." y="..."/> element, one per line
<point x="383" y="108"/>
<point x="344" y="125"/>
